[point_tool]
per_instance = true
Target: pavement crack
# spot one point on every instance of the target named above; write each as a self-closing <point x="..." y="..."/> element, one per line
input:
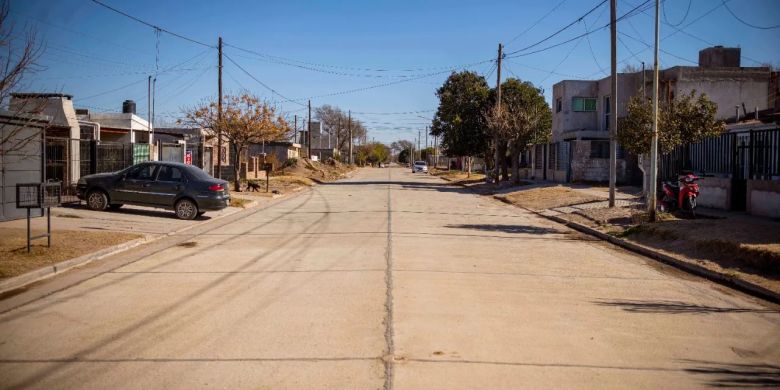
<point x="389" y="291"/>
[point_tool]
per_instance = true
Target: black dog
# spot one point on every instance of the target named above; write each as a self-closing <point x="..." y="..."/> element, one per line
<point x="253" y="186"/>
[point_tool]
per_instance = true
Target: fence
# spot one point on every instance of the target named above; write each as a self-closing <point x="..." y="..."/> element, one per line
<point x="753" y="154"/>
<point x="68" y="159"/>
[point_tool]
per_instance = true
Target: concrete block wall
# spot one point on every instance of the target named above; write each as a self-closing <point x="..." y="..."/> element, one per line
<point x="714" y="192"/>
<point x="763" y="198"/>
<point x="587" y="169"/>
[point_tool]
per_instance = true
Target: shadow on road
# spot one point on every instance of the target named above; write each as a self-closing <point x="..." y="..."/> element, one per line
<point x="674" y="307"/>
<point x="737" y="375"/>
<point x="516" y="229"/>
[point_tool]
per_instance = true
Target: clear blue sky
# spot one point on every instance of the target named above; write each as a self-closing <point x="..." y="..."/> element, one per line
<point x="103" y="58"/>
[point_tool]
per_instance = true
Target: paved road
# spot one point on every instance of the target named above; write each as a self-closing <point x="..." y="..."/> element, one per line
<point x="385" y="280"/>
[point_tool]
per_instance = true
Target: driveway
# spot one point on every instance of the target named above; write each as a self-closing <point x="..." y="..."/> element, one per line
<point x="388" y="279"/>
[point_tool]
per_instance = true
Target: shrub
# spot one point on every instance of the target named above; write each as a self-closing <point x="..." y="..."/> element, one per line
<point x="290" y="162"/>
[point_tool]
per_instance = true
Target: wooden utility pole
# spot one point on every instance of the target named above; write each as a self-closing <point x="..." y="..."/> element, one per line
<point x="498" y="156"/>
<point x="295" y="132"/>
<point x="219" y="111"/>
<point x="149" y="115"/>
<point x="418" y="143"/>
<point x="338" y="130"/>
<point x="308" y="133"/>
<point x="613" y="99"/>
<point x="651" y="188"/>
<point x="349" y="126"/>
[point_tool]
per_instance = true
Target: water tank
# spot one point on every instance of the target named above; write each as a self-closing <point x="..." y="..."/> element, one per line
<point x="128" y="107"/>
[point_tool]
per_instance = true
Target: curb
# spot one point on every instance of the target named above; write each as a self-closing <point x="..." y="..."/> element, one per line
<point x="23" y="280"/>
<point x="717" y="277"/>
<point x="17" y="282"/>
<point x="726" y="280"/>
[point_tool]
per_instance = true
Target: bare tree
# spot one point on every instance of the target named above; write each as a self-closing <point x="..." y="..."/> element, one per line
<point x="16" y="61"/>
<point x="337" y="120"/>
<point x="245" y="120"/>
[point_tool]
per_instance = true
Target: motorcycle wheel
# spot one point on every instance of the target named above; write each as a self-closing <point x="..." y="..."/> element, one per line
<point x="689" y="205"/>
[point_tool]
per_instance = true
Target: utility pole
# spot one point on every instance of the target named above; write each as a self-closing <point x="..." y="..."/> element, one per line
<point x="498" y="110"/>
<point x="149" y="115"/>
<point x="349" y="127"/>
<point x="613" y="104"/>
<point x="651" y="188"/>
<point x="418" y="143"/>
<point x="308" y="133"/>
<point x="295" y="132"/>
<point x="219" y="112"/>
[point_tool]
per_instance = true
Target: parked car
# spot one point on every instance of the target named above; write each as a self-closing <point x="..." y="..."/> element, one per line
<point x="420" y="166"/>
<point x="184" y="188"/>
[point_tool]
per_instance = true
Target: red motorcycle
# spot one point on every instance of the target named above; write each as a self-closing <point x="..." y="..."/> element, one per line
<point x="681" y="196"/>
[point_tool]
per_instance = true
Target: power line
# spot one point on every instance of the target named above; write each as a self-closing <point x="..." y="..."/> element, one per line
<point x="745" y="22"/>
<point x="157" y="28"/>
<point x="536" y="22"/>
<point x="666" y="18"/>
<point x="562" y="29"/>
<point x="260" y="82"/>
<point x="624" y="16"/>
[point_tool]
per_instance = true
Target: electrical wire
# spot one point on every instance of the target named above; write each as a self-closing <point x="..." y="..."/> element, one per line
<point x="536" y="22"/>
<point x="747" y="23"/>
<point x="590" y="46"/>
<point x="562" y="29"/>
<point x="158" y="28"/>
<point x="266" y="86"/>
<point x="624" y="16"/>
<point x="666" y="18"/>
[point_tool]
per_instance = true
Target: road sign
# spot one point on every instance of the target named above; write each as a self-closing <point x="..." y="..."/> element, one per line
<point x="188" y="157"/>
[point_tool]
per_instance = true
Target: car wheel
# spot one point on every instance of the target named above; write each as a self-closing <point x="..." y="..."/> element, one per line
<point x="97" y="200"/>
<point x="186" y="209"/>
<point x="115" y="206"/>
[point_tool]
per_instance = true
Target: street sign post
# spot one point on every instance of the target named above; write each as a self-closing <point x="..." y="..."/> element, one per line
<point x="38" y="196"/>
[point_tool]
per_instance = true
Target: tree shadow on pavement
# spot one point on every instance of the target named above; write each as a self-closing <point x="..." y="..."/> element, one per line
<point x="516" y="229"/>
<point x="737" y="375"/>
<point x="675" y="307"/>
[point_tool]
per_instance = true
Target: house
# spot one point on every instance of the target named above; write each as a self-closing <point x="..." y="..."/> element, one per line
<point x="196" y="146"/>
<point x="323" y="141"/>
<point x="21" y="152"/>
<point x="581" y="110"/>
<point x="80" y="143"/>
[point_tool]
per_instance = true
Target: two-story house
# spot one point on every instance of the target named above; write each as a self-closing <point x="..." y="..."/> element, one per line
<point x="581" y="108"/>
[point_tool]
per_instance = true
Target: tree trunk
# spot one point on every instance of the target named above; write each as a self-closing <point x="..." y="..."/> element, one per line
<point x="515" y="153"/>
<point x="504" y="163"/>
<point x="496" y="161"/>
<point x="236" y="168"/>
<point x="468" y="164"/>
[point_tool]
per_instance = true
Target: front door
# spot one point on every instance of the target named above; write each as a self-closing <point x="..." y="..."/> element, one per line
<point x="135" y="186"/>
<point x="169" y="183"/>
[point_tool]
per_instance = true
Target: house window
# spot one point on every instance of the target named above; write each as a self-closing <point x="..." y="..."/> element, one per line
<point x="607" y="109"/>
<point x="583" y="104"/>
<point x="599" y="149"/>
<point x="558" y="105"/>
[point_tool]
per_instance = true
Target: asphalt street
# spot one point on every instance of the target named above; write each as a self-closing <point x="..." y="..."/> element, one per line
<point x="386" y="280"/>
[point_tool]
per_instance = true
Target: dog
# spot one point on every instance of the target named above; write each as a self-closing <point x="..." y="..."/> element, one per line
<point x="253" y="186"/>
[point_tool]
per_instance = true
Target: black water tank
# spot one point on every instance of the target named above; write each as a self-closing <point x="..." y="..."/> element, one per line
<point x="128" y="107"/>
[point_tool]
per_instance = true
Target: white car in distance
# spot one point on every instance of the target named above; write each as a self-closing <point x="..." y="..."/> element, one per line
<point x="420" y="166"/>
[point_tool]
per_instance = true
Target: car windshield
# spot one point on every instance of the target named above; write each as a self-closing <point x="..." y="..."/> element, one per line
<point x="419" y="163"/>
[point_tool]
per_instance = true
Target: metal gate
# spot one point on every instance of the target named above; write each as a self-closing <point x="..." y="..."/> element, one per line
<point x="172" y="152"/>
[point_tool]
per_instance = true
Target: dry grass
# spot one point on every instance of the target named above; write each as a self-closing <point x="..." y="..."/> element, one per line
<point x="744" y="247"/>
<point x="459" y="177"/>
<point x="238" y="202"/>
<point x="66" y="244"/>
<point x="540" y="198"/>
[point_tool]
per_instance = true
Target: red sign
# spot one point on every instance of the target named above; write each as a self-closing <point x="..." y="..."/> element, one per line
<point x="188" y="157"/>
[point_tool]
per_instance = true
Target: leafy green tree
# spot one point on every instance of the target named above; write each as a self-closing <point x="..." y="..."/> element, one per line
<point x="403" y="156"/>
<point x="372" y="153"/>
<point x="427" y="153"/>
<point x="524" y="119"/>
<point x="459" y="121"/>
<point x="685" y="119"/>
<point x="403" y="148"/>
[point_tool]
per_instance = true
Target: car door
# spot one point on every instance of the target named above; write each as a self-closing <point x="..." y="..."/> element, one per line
<point x="170" y="182"/>
<point x="135" y="187"/>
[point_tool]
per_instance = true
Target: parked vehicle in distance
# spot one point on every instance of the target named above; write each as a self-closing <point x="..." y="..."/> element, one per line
<point x="420" y="166"/>
<point x="681" y="196"/>
<point x="185" y="189"/>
